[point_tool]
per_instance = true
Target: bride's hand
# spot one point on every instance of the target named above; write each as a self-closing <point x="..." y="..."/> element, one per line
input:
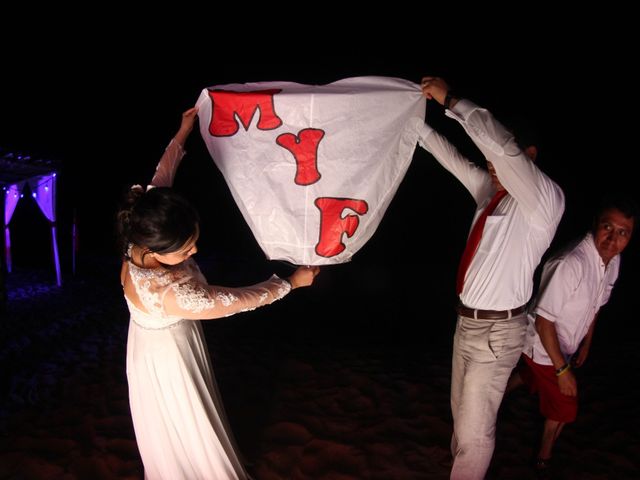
<point x="303" y="276"/>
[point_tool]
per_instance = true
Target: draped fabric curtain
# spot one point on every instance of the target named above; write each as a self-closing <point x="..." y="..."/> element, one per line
<point x="13" y="193"/>
<point x="43" y="188"/>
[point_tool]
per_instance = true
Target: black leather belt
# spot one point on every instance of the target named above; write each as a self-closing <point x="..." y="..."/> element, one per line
<point x="489" y="314"/>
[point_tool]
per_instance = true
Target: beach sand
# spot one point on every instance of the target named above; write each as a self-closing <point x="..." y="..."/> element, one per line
<point x="307" y="397"/>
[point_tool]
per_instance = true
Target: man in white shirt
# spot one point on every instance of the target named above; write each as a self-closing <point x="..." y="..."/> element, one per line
<point x="495" y="286"/>
<point x="574" y="285"/>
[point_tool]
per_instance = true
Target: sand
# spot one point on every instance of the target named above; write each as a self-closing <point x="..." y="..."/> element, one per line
<point x="307" y="397"/>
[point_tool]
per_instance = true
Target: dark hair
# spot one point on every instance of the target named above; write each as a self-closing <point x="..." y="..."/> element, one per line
<point x="159" y="219"/>
<point x="524" y="130"/>
<point x="618" y="201"/>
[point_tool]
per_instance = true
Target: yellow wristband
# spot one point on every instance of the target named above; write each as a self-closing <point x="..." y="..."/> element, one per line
<point x="563" y="369"/>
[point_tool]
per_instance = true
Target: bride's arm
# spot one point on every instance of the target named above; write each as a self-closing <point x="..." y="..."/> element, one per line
<point x="168" y="164"/>
<point x="195" y="301"/>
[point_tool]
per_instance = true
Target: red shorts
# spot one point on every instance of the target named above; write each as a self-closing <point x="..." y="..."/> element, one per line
<point x="542" y="379"/>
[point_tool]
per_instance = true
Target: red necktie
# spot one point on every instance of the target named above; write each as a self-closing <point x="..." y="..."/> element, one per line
<point x="474" y="239"/>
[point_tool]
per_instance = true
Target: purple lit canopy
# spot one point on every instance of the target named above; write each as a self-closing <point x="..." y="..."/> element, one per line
<point x="15" y="172"/>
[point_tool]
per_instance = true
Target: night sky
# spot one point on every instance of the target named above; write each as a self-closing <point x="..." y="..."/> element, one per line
<point x="106" y="118"/>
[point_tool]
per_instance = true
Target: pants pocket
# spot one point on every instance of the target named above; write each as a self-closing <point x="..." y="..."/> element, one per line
<point x="473" y="340"/>
<point x="507" y="337"/>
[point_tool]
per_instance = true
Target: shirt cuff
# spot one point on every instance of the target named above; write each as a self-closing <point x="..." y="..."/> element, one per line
<point x="544" y="313"/>
<point x="461" y="110"/>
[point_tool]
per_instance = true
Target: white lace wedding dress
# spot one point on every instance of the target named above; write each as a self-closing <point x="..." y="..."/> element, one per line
<point x="178" y="416"/>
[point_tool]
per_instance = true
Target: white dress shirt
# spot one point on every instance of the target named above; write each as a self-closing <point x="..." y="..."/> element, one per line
<point x="574" y="285"/>
<point x="522" y="226"/>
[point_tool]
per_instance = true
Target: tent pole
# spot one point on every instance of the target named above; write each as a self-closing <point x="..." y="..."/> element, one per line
<point x="74" y="243"/>
<point x="56" y="256"/>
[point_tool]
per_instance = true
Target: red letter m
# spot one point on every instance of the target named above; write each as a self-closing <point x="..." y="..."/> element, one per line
<point x="227" y="104"/>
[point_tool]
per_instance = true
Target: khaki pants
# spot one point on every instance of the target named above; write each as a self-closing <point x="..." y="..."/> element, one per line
<point x="484" y="353"/>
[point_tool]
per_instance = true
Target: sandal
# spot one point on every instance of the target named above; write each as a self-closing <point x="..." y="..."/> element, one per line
<point x="542" y="466"/>
<point x="542" y="463"/>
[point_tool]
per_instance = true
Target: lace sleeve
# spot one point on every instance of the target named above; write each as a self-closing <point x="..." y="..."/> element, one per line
<point x="195" y="301"/>
<point x="168" y="164"/>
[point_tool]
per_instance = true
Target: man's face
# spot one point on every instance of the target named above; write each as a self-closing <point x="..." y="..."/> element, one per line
<point x="494" y="178"/>
<point x="612" y="233"/>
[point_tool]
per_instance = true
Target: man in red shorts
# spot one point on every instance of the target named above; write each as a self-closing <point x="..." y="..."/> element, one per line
<point x="574" y="285"/>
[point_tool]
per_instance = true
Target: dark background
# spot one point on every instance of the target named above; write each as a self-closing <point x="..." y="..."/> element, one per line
<point x="104" y="101"/>
<point x="105" y="118"/>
